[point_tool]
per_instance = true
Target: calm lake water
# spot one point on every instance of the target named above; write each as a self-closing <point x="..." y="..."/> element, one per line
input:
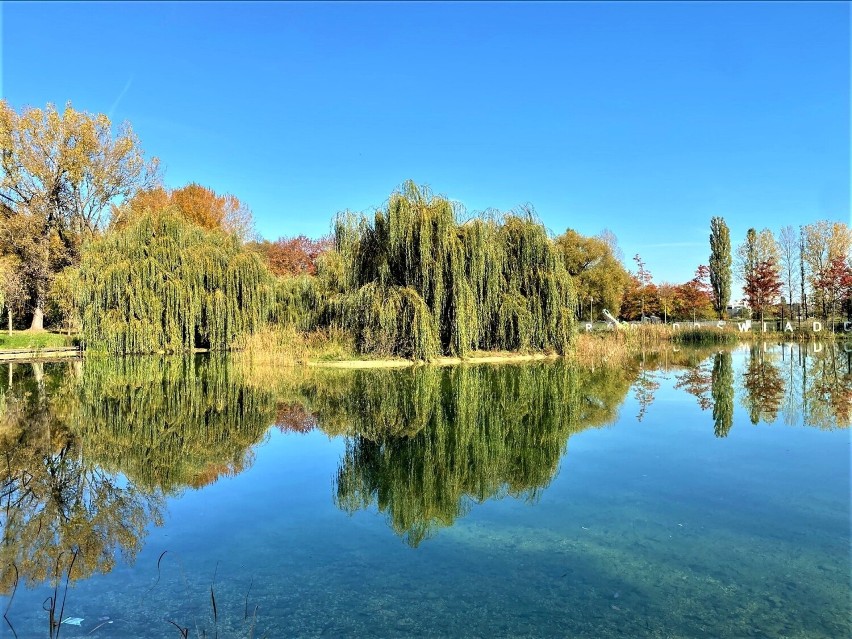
<point x="686" y="494"/>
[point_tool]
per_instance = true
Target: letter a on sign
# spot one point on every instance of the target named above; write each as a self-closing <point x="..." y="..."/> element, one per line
<point x="788" y="327"/>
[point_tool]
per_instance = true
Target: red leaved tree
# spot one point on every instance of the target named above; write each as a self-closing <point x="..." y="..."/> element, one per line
<point x="294" y="255"/>
<point x="763" y="286"/>
<point x="835" y="281"/>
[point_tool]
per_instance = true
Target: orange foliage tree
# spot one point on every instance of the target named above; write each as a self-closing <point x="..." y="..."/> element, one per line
<point x="294" y="255"/>
<point x="199" y="204"/>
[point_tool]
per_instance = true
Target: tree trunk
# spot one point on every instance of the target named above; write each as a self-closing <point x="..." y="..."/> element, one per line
<point x="38" y="317"/>
<point x="10" y="321"/>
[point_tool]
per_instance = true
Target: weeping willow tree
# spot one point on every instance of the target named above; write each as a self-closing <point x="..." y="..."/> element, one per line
<point x="415" y="282"/>
<point x="165" y="284"/>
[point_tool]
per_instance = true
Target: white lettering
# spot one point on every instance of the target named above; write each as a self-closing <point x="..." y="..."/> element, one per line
<point x="818" y="347"/>
<point x="588" y="327"/>
<point x="764" y="327"/>
<point x="817" y="326"/>
<point x="744" y="326"/>
<point x="847" y="326"/>
<point x="675" y="326"/>
<point x="720" y="324"/>
<point x="788" y="327"/>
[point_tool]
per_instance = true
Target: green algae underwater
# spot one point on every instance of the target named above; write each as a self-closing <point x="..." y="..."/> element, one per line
<point x="697" y="493"/>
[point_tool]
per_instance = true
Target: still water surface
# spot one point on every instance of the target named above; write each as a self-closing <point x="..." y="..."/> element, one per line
<point x="689" y="494"/>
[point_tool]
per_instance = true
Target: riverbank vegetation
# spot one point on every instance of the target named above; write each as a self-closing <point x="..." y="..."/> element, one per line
<point x="93" y="243"/>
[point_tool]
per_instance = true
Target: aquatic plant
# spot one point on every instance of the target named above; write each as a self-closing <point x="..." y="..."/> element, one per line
<point x="705" y="336"/>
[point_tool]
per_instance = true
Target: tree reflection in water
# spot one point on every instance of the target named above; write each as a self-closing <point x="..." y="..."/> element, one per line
<point x="89" y="454"/>
<point x="426" y="443"/>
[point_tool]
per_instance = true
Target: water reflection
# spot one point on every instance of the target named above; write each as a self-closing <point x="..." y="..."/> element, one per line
<point x="722" y="393"/>
<point x="809" y="384"/>
<point x="62" y="513"/>
<point x="480" y="433"/>
<point x="91" y="452"/>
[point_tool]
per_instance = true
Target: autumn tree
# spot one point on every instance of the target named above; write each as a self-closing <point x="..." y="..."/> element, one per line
<point x="720" y="264"/>
<point x="763" y="286"/>
<point x="835" y="284"/>
<point x="667" y="295"/>
<point x="694" y="298"/>
<point x="12" y="291"/>
<point x="198" y="204"/>
<point x="59" y="174"/>
<point x="823" y="242"/>
<point x="293" y="256"/>
<point x="599" y="276"/>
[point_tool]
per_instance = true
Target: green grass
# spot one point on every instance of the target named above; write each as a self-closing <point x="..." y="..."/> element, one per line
<point x="25" y="339"/>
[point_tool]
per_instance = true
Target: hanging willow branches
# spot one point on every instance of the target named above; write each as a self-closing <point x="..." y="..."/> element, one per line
<point x="415" y="282"/>
<point x="165" y="284"/>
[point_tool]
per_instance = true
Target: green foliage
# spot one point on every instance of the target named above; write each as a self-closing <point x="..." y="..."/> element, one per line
<point x="414" y="282"/>
<point x="720" y="264"/>
<point x="165" y="284"/>
<point x="598" y="275"/>
<point x="435" y="440"/>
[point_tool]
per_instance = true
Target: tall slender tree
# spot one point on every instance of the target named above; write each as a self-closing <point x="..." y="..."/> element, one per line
<point x="787" y="244"/>
<point x="802" y="280"/>
<point x="720" y="264"/>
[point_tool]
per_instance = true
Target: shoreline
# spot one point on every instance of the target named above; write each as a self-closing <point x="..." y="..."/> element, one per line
<point x="441" y="361"/>
<point x="33" y="354"/>
<point x="599" y="337"/>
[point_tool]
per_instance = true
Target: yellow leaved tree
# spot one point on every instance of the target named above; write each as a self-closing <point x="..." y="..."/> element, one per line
<point x="60" y="171"/>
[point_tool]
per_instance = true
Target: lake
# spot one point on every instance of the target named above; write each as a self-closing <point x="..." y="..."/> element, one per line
<point x="681" y="494"/>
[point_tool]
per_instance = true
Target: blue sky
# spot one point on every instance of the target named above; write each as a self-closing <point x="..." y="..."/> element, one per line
<point x="643" y="118"/>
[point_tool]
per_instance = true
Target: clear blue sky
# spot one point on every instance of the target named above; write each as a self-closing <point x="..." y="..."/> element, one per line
<point x="644" y="118"/>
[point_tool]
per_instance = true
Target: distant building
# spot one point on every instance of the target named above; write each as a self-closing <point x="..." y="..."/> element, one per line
<point x="737" y="307"/>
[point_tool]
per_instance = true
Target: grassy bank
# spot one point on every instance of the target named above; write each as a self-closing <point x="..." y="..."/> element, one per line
<point x="20" y="340"/>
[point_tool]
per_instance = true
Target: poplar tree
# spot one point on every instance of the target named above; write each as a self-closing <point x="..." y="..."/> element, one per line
<point x="720" y="264"/>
